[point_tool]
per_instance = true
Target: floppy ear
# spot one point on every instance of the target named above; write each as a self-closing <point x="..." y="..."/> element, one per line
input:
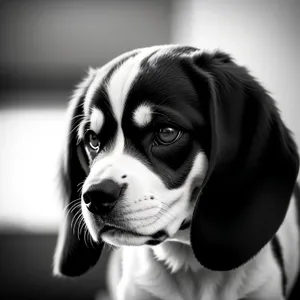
<point x="74" y="255"/>
<point x="253" y="165"/>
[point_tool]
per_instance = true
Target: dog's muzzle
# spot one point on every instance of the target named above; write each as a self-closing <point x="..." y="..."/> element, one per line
<point x="101" y="198"/>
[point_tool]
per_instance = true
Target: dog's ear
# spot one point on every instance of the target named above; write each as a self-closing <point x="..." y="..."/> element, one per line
<point x="74" y="254"/>
<point x="253" y="165"/>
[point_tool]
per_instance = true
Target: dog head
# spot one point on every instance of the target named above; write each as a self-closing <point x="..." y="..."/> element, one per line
<point x="167" y="136"/>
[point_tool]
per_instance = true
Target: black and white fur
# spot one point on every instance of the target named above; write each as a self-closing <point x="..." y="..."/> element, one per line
<point x="211" y="215"/>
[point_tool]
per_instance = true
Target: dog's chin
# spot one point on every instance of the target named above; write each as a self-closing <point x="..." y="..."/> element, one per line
<point x="121" y="237"/>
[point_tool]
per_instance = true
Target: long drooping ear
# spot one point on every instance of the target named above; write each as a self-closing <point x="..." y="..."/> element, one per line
<point x="253" y="165"/>
<point x="74" y="255"/>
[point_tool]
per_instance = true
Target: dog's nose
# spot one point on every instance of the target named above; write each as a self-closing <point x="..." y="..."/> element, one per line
<point x="101" y="198"/>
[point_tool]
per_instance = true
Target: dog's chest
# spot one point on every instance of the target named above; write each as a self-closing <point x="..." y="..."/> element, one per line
<point x="203" y="284"/>
<point x="178" y="277"/>
<point x="196" y="285"/>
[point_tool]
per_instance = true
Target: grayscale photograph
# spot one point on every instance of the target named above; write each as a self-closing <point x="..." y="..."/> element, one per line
<point x="149" y="150"/>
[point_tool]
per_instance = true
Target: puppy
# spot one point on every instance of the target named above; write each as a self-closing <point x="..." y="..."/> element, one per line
<point x="180" y="159"/>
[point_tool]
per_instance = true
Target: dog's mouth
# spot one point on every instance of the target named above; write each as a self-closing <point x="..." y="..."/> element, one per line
<point x="123" y="237"/>
<point x="120" y="230"/>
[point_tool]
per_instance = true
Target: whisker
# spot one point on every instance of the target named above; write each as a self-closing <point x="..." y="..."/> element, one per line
<point x="74" y="129"/>
<point x="70" y="204"/>
<point x="167" y="213"/>
<point x="82" y="225"/>
<point x="77" y="205"/>
<point x="92" y="242"/>
<point x="78" y="116"/>
<point x="80" y="185"/>
<point x="85" y="238"/>
<point x="126" y="211"/>
<point x="79" y="222"/>
<point x="74" y="226"/>
<point x="72" y="209"/>
<point x="78" y="227"/>
<point x="75" y="218"/>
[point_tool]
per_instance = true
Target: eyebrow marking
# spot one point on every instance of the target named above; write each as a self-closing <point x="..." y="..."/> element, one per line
<point x="142" y="115"/>
<point x="97" y="120"/>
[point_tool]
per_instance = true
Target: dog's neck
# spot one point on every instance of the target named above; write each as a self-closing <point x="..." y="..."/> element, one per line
<point x="177" y="253"/>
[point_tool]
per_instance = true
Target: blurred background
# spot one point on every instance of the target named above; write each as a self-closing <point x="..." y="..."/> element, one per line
<point x="46" y="47"/>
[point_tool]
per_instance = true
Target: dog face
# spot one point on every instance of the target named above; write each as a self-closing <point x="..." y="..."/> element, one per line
<point x="145" y="152"/>
<point x="167" y="136"/>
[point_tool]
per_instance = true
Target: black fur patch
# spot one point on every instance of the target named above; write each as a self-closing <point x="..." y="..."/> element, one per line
<point x="159" y="234"/>
<point x="153" y="242"/>
<point x="185" y="225"/>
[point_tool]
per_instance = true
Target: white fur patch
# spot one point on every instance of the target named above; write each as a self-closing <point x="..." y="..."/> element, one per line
<point x="177" y="255"/>
<point x="120" y="143"/>
<point x="142" y="116"/>
<point x="97" y="120"/>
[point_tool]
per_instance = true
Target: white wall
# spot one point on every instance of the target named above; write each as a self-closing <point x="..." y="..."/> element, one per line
<point x="263" y="35"/>
<point x="31" y="140"/>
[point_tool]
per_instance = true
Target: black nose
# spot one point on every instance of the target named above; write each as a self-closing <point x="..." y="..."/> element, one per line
<point x="101" y="198"/>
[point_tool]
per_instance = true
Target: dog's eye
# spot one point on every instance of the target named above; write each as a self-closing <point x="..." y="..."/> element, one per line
<point x="92" y="140"/>
<point x="168" y="135"/>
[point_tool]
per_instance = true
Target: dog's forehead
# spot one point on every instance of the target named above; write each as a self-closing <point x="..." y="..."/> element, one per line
<point x="139" y="79"/>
